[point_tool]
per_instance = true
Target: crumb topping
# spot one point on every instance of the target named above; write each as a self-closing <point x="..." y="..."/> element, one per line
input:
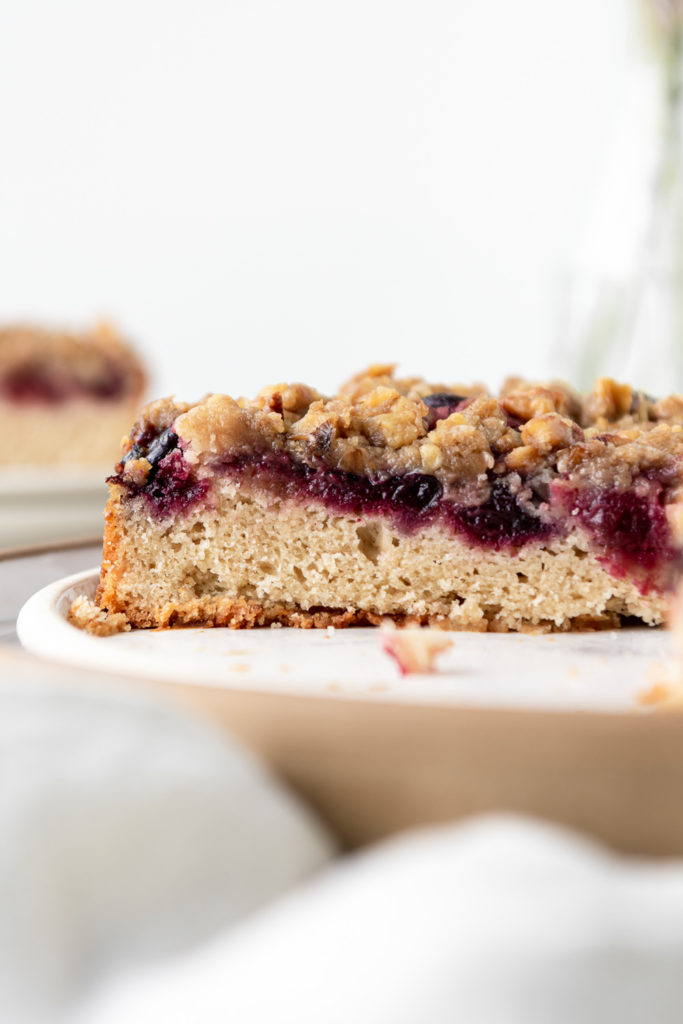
<point x="381" y="426"/>
<point x="50" y="365"/>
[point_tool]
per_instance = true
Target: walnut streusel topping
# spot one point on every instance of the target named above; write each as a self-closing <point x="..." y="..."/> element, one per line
<point x="379" y="425"/>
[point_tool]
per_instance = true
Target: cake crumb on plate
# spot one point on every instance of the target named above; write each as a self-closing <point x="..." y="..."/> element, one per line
<point x="414" y="649"/>
<point x="84" y="614"/>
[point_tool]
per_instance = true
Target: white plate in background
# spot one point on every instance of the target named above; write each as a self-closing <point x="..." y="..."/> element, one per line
<point x="51" y="503"/>
<point x="24" y="480"/>
<point x="603" y="671"/>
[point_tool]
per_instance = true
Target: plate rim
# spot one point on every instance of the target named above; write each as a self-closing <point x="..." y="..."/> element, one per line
<point x="44" y="631"/>
<point x="43" y="604"/>
<point x="24" y="481"/>
<point x="49" y="547"/>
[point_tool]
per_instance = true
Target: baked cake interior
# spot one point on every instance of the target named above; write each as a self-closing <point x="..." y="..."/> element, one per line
<point x="535" y="508"/>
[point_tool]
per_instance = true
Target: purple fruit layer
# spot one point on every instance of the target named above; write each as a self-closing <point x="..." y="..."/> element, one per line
<point x="411" y="502"/>
<point x="628" y="530"/>
<point x="36" y="386"/>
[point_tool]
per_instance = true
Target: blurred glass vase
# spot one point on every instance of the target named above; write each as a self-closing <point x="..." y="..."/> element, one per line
<point x="622" y="302"/>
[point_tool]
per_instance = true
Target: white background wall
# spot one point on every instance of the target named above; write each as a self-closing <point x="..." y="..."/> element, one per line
<point x="260" y="190"/>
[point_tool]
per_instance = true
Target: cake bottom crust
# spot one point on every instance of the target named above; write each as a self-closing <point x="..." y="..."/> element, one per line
<point x="254" y="615"/>
<point x="249" y="559"/>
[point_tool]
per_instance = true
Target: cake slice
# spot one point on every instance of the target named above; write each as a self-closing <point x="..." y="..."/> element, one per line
<point x="66" y="398"/>
<point x="397" y="499"/>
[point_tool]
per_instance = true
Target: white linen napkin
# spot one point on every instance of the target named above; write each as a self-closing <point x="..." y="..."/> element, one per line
<point x="499" y="921"/>
<point x="127" y="830"/>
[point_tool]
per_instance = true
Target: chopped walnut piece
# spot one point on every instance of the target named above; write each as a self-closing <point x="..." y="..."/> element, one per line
<point x="382" y="375"/>
<point x="488" y="416"/>
<point x="85" y="614"/>
<point x="526" y="402"/>
<point x="651" y="449"/>
<point x="319" y="414"/>
<point x="525" y="460"/>
<point x="291" y="401"/>
<point x="608" y="400"/>
<point x="219" y="423"/>
<point x="670" y="408"/>
<point x="593" y="461"/>
<point x="377" y="375"/>
<point x="367" y="379"/>
<point x="550" y="431"/>
<point x="386" y="417"/>
<point x="642" y="408"/>
<point x="414" y="649"/>
<point x="136" y="471"/>
<point x="431" y="457"/>
<point x="465" y="452"/>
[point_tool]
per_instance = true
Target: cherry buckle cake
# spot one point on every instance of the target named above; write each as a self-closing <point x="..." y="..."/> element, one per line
<point x="397" y="499"/>
<point x="65" y="398"/>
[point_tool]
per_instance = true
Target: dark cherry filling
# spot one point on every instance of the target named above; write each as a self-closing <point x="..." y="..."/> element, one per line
<point x="440" y="405"/>
<point x="499" y="522"/>
<point x="23" y="386"/>
<point x="109" y="388"/>
<point x="172" y="485"/>
<point x="35" y="384"/>
<point x="153" y="447"/>
<point x="411" y="501"/>
<point x="514" y="421"/>
<point x="629" y="529"/>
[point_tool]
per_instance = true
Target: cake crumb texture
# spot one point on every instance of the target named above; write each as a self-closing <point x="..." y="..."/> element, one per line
<point x="86" y="615"/>
<point x="250" y="559"/>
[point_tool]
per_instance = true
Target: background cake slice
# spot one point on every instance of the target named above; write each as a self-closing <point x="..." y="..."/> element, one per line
<point x="397" y="499"/>
<point x="66" y="398"/>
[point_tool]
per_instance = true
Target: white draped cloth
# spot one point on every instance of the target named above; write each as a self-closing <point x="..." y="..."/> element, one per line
<point x="152" y="870"/>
